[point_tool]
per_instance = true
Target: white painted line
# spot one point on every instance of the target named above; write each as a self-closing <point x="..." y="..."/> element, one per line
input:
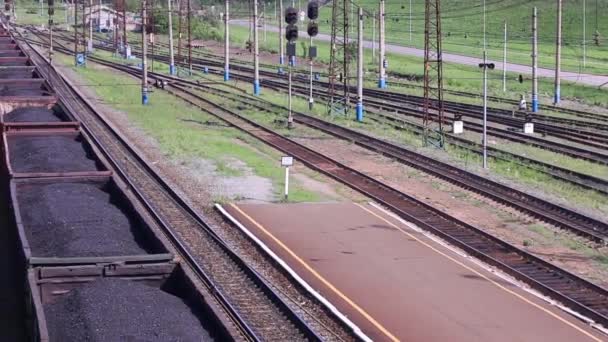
<point x="296" y="277"/>
<point x="490" y="269"/>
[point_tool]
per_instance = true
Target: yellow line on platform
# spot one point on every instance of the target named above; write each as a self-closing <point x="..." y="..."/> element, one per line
<point x="483" y="276"/>
<point x="318" y="276"/>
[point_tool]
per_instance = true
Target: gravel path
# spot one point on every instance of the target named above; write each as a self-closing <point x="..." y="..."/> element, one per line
<point x="60" y="153"/>
<point x="32" y="114"/>
<point x="76" y="219"/>
<point x="122" y="310"/>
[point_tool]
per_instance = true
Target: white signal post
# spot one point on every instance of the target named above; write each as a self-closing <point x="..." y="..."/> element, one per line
<point x="286" y="162"/>
<point x="226" y="42"/>
<point x="381" y="59"/>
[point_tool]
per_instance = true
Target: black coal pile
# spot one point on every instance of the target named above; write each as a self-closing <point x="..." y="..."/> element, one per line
<point x="22" y="90"/>
<point x="16" y="73"/>
<point x="32" y="114"/>
<point x="10" y="53"/>
<point x="76" y="220"/>
<point x="122" y="310"/>
<point x="59" y="153"/>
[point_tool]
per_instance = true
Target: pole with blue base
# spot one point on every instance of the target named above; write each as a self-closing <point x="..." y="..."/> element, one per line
<point x="359" y="108"/>
<point x="144" y="96"/>
<point x="382" y="49"/>
<point x="226" y="42"/>
<point x="256" y="51"/>
<point x="534" y="61"/>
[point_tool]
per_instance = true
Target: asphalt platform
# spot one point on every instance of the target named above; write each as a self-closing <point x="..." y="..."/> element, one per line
<point x="396" y="283"/>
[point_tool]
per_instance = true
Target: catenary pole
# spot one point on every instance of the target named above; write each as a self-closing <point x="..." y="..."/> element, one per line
<point x="381" y="58"/>
<point x="558" y="54"/>
<point x="485" y="110"/>
<point x="226" y="41"/>
<point x="171" y="48"/>
<point x="144" y="54"/>
<point x="534" y="60"/>
<point x="374" y="35"/>
<point x="360" y="58"/>
<point x="584" y="33"/>
<point x="256" y="51"/>
<point x="504" y="60"/>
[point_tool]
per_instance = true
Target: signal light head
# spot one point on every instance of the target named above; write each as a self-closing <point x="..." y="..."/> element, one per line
<point x="313" y="10"/>
<point x="291" y="32"/>
<point x="291" y="15"/>
<point x="313" y="29"/>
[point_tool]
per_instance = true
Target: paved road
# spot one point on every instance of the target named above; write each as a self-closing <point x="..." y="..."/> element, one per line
<point x="586" y="79"/>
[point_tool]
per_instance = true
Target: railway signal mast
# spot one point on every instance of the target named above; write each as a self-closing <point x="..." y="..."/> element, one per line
<point x="433" y="76"/>
<point x="291" y="34"/>
<point x="313" y="30"/>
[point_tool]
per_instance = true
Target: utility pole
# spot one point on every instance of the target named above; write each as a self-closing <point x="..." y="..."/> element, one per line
<point x="51" y="11"/>
<point x="99" y="17"/>
<point x="226" y="41"/>
<point x="339" y="59"/>
<point x="360" y="58"/>
<point x="584" y="33"/>
<point x="144" y="53"/>
<point x="264" y="18"/>
<point x="90" y="41"/>
<point x="558" y="53"/>
<point x="124" y="29"/>
<point x="484" y="140"/>
<point x="281" y="42"/>
<point x="171" y="53"/>
<point x="410" y="21"/>
<point x="374" y="35"/>
<point x="484" y="26"/>
<point x="75" y="34"/>
<point x="534" y="61"/>
<point x="504" y="61"/>
<point x="382" y="58"/>
<point x="189" y="38"/>
<point x="433" y="75"/>
<point x="256" y="51"/>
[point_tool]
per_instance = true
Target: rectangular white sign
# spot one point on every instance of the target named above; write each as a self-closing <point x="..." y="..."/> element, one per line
<point x="286" y="161"/>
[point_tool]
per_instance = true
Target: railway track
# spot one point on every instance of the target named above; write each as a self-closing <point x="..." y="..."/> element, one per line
<point x="254" y="307"/>
<point x="506" y="117"/>
<point x="534" y="206"/>
<point x="574" y="292"/>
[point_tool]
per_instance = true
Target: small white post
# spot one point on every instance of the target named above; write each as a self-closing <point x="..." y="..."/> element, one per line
<point x="286" y="162"/>
<point x="286" y="183"/>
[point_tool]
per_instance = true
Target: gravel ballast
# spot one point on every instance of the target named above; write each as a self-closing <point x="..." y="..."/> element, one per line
<point x="122" y="310"/>
<point x="32" y="114"/>
<point x="59" y="153"/>
<point x="76" y="220"/>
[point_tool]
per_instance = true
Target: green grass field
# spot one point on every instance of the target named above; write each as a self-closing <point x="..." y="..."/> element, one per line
<point x="462" y="27"/>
